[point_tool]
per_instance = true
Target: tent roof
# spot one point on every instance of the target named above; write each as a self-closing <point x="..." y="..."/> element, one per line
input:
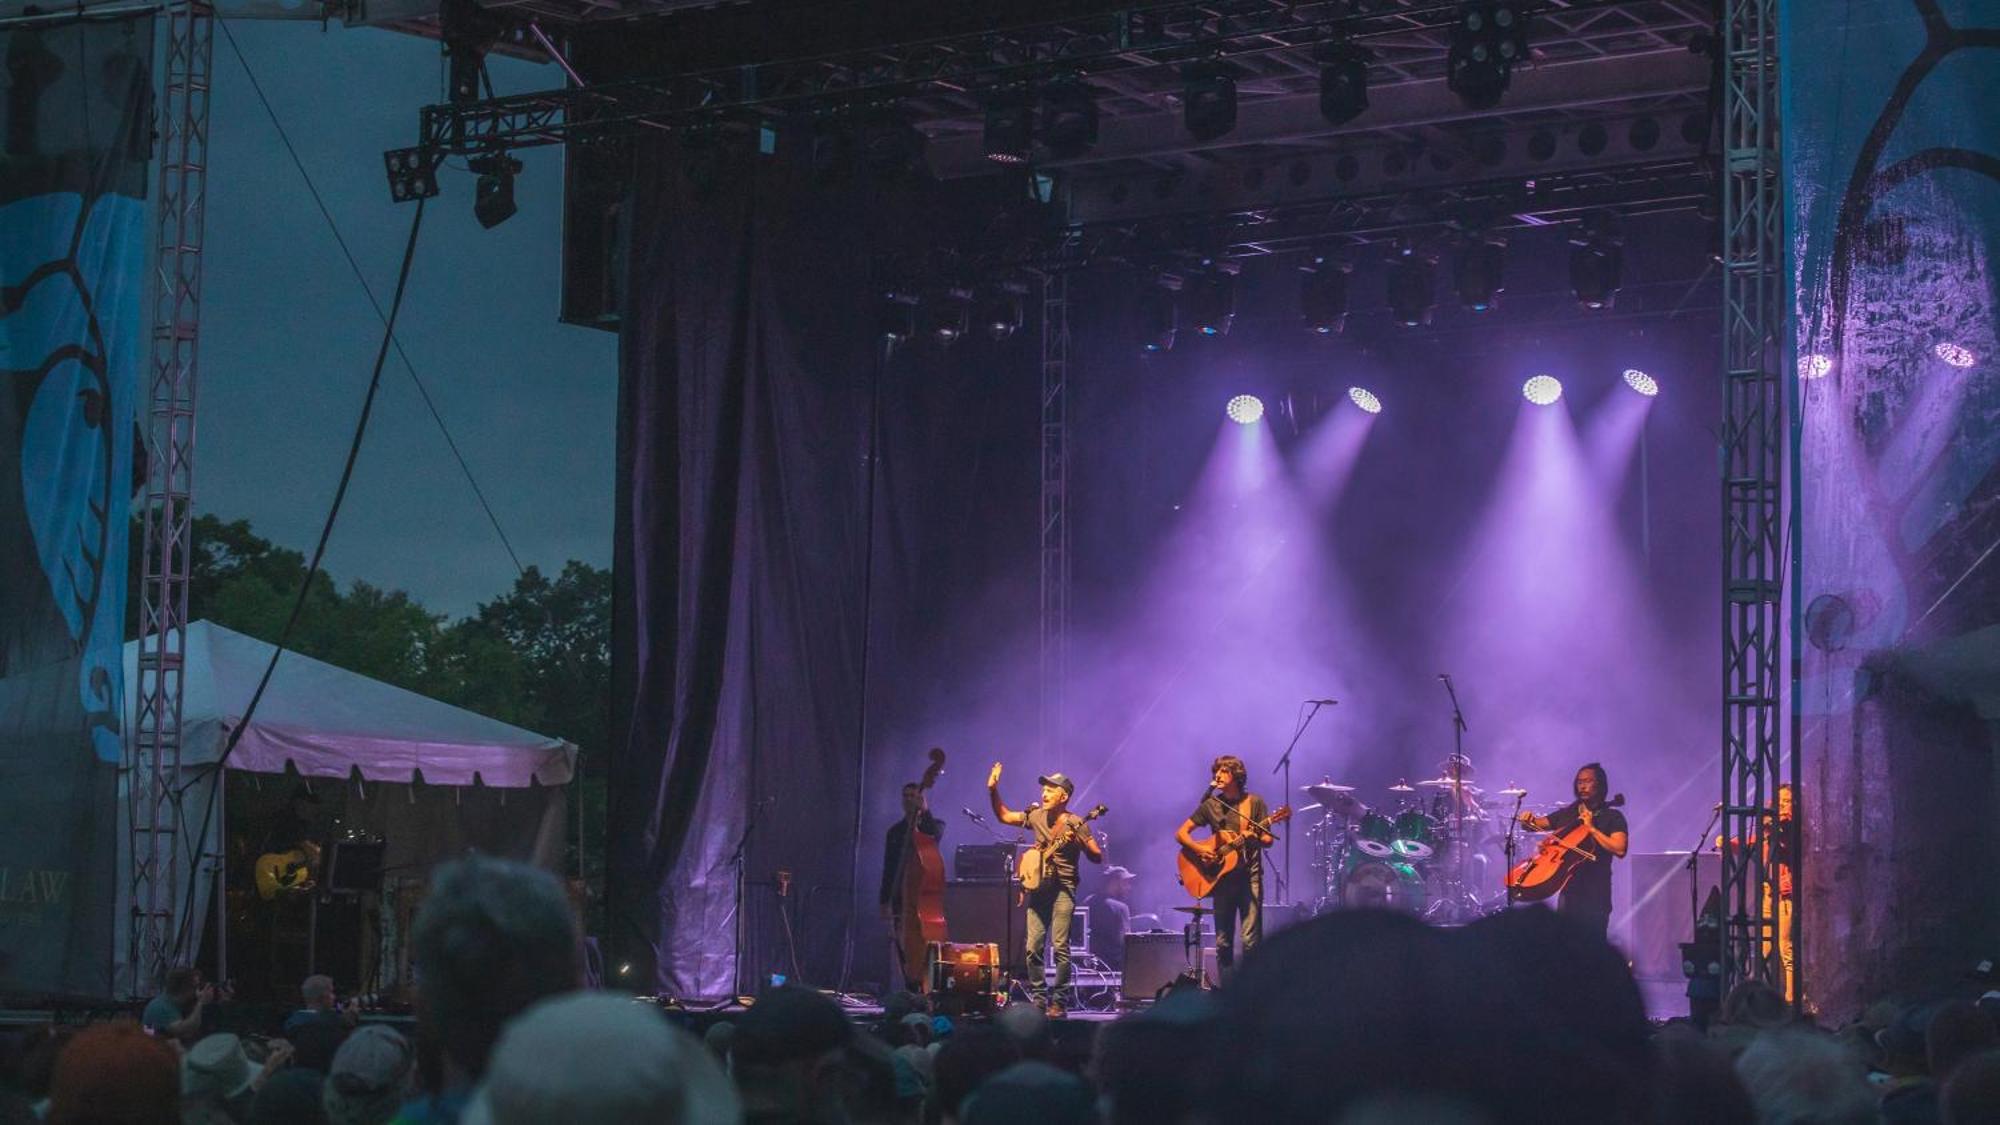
<point x="327" y="721"/>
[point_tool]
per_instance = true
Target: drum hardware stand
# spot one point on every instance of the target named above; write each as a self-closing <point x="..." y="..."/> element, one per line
<point x="1285" y="764"/>
<point x="1513" y="825"/>
<point x="1460" y="901"/>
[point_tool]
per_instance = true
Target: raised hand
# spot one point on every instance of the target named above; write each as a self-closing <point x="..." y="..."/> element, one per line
<point x="993" y="777"/>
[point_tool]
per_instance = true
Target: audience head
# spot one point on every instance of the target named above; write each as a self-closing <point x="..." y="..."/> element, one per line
<point x="1031" y="1091"/>
<point x="317" y="991"/>
<point x="370" y="1075"/>
<point x="1972" y="1094"/>
<point x="493" y="937"/>
<point x="720" y="1038"/>
<point x="790" y="1054"/>
<point x="1695" y="1083"/>
<point x="115" y="1074"/>
<point x="289" y="1097"/>
<point x="181" y="985"/>
<point x="1957" y="1031"/>
<point x="217" y="1069"/>
<point x="972" y="1054"/>
<point x="600" y="1057"/>
<point x="1146" y="1063"/>
<point x="1798" y="1076"/>
<point x="1902" y="1042"/>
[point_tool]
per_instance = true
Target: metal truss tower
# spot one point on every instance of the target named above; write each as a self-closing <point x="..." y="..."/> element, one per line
<point x="1054" y="516"/>
<point x="1757" y="496"/>
<point x="154" y="744"/>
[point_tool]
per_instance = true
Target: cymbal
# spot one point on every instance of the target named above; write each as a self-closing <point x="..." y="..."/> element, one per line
<point x="1197" y="911"/>
<point x="1326" y="793"/>
<point x="1448" y="783"/>
<point x="1401" y="787"/>
<point x="1513" y="791"/>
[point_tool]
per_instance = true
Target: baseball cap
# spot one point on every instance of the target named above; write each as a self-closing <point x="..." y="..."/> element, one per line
<point x="1060" y="781"/>
<point x="1116" y="872"/>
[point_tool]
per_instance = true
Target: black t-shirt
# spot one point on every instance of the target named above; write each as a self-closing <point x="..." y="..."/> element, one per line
<point x="1592" y="882"/>
<point x="892" y="855"/>
<point x="1061" y="863"/>
<point x="1217" y="814"/>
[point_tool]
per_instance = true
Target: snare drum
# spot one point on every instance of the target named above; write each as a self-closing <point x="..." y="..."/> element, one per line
<point x="1375" y="836"/>
<point x="1416" y="835"/>
<point x="1383" y="886"/>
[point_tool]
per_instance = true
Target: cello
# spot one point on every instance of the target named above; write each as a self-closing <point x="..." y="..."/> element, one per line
<point x="1548" y="871"/>
<point x="922" y="885"/>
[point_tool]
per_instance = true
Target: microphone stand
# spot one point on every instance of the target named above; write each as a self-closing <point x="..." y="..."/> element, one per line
<point x="1694" y="875"/>
<point x="736" y="859"/>
<point x="1285" y="764"/>
<point x="1513" y="823"/>
<point x="1458" y="786"/>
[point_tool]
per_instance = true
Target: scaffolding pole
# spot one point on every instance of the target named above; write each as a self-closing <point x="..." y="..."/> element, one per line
<point x="1054" y="634"/>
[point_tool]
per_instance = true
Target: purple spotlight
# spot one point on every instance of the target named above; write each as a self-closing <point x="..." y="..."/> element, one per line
<point x="1245" y="410"/>
<point x="1542" y="390"/>
<point x="1954" y="354"/>
<point x="1815" y="366"/>
<point x="1640" y="381"/>
<point x="1365" y="399"/>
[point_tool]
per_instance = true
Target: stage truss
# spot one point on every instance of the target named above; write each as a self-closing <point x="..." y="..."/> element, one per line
<point x="155" y="823"/>
<point x="1759" y="550"/>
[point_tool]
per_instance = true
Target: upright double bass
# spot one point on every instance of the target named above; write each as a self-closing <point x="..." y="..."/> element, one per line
<point x="922" y="919"/>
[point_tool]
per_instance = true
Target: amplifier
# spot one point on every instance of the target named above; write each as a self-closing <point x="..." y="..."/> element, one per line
<point x="1153" y="960"/>
<point x="983" y="861"/>
<point x="983" y="911"/>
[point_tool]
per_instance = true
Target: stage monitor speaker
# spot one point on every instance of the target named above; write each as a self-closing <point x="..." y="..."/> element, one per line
<point x="982" y="911"/>
<point x="1657" y="915"/>
<point x="1153" y="960"/>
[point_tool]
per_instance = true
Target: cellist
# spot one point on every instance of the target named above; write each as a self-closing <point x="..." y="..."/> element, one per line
<point x="895" y="850"/>
<point x="1587" y="895"/>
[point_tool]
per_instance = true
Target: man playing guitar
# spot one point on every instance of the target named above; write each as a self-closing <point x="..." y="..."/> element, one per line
<point x="1050" y="905"/>
<point x="1587" y="895"/>
<point x="1229" y="810"/>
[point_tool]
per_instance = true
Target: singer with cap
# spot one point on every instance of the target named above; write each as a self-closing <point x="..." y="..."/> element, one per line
<point x="1051" y="905"/>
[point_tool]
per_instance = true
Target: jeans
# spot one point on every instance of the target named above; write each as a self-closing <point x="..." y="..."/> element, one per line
<point x="1239" y="916"/>
<point x="1049" y="911"/>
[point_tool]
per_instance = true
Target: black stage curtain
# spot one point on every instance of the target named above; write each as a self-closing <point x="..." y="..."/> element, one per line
<point x="749" y="368"/>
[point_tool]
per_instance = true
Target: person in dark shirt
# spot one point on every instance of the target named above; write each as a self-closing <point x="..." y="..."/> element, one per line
<point x="1230" y="810"/>
<point x="1111" y="916"/>
<point x="916" y="811"/>
<point x="1587" y="895"/>
<point x="1050" y="905"/>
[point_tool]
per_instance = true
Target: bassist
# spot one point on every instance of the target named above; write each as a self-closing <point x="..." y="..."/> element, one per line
<point x="895" y="854"/>
<point x="1052" y="904"/>
<point x="1587" y="895"/>
<point x="1230" y="811"/>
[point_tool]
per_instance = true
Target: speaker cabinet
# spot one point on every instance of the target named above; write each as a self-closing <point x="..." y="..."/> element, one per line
<point x="982" y="912"/>
<point x="1153" y="960"/>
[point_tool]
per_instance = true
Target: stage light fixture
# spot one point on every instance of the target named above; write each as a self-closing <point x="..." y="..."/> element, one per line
<point x="1640" y="381"/>
<point x="493" y="198"/>
<point x="1159" y="317"/>
<point x="1323" y="295"/>
<point x="1957" y="355"/>
<point x="1479" y="272"/>
<point x="896" y="315"/>
<point x="1208" y="99"/>
<point x="1815" y="366"/>
<point x="1486" y="41"/>
<point x="889" y="146"/>
<point x="1245" y="410"/>
<point x="412" y="173"/>
<point x="1365" y="399"/>
<point x="1010" y="128"/>
<point x="946" y="309"/>
<point x="1596" y="262"/>
<point x="996" y="310"/>
<point x="1411" y="286"/>
<point x="1069" y="118"/>
<point x="1210" y="301"/>
<point x="1343" y="82"/>
<point x="1542" y="390"/>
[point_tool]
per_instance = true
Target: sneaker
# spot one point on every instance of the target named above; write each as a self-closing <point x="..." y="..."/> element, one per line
<point x="1054" y="1011"/>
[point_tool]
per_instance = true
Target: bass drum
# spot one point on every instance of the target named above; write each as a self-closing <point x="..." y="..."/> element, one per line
<point x="1383" y="885"/>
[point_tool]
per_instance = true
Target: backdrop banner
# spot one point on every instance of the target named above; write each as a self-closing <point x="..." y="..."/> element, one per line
<point x="77" y="132"/>
<point x="1893" y="158"/>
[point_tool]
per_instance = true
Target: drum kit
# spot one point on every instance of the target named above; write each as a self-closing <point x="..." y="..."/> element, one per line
<point x="1424" y="850"/>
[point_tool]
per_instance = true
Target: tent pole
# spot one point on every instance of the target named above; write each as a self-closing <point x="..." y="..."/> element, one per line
<point x="221" y="891"/>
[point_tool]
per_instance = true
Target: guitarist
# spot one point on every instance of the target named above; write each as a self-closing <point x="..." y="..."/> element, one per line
<point x="1587" y="895"/>
<point x="1051" y="905"/>
<point x="1228" y="811"/>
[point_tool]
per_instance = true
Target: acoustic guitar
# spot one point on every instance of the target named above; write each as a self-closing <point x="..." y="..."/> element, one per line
<point x="1202" y="867"/>
<point x="1033" y="867"/>
<point x="1556" y="859"/>
<point x="283" y="873"/>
